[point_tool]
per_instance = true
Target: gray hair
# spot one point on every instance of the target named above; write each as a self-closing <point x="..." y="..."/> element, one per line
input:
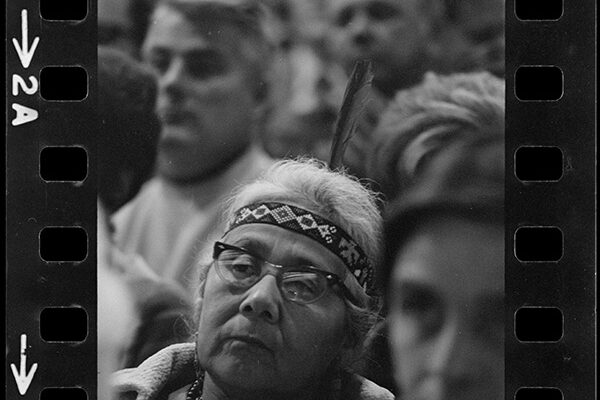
<point x="337" y="196"/>
<point x="426" y="118"/>
<point x="308" y="183"/>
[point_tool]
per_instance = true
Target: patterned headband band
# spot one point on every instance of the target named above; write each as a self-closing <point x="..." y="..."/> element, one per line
<point x="305" y="222"/>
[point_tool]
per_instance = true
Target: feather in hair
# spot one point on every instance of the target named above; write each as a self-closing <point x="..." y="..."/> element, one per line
<point x="355" y="99"/>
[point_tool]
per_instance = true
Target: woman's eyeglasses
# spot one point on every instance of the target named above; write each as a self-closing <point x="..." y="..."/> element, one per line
<point x="302" y="284"/>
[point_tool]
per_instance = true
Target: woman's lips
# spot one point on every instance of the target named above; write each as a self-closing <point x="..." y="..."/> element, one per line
<point x="249" y="340"/>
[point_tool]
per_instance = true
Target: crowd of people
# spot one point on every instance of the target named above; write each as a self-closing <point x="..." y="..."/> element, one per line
<point x="236" y="263"/>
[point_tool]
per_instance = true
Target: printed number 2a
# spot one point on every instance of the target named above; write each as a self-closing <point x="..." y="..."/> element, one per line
<point x="24" y="114"/>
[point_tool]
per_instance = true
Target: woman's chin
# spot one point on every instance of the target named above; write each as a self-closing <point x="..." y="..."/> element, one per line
<point x="242" y="370"/>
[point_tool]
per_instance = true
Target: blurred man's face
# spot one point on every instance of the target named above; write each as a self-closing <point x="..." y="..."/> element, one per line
<point x="392" y="33"/>
<point x="447" y="311"/>
<point x="480" y="34"/>
<point x="481" y="19"/>
<point x="205" y="99"/>
<point x="306" y="96"/>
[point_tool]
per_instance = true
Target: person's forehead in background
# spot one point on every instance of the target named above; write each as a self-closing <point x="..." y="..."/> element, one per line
<point x="475" y="15"/>
<point x="343" y="13"/>
<point x="461" y="259"/>
<point x="114" y="12"/>
<point x="382" y="5"/>
<point x="171" y="30"/>
<point x="115" y="25"/>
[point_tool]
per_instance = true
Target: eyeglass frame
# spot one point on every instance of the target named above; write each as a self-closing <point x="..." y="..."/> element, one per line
<point x="331" y="278"/>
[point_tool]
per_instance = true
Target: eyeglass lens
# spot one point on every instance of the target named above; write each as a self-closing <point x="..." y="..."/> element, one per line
<point x="244" y="270"/>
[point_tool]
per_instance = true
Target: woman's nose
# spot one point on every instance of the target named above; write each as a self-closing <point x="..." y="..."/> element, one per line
<point x="263" y="300"/>
<point x="452" y="349"/>
<point x="360" y="21"/>
<point x="453" y="364"/>
<point x="360" y="30"/>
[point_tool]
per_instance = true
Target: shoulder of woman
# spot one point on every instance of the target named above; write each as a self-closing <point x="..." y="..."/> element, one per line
<point x="165" y="371"/>
<point x="357" y="387"/>
<point x="180" y="394"/>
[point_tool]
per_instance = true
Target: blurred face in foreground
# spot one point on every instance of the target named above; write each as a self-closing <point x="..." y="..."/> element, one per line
<point x="205" y="98"/>
<point x="447" y="311"/>
<point x="254" y="341"/>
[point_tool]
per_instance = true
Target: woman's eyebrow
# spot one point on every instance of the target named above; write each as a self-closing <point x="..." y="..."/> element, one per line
<point x="261" y="249"/>
<point x="252" y="245"/>
<point x="412" y="286"/>
<point x="304" y="261"/>
<point x="204" y="53"/>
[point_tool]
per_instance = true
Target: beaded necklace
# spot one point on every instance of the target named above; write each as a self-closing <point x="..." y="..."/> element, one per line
<point x="195" y="391"/>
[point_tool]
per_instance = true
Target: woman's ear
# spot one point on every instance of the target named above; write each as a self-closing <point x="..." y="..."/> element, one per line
<point x="196" y="314"/>
<point x="198" y="305"/>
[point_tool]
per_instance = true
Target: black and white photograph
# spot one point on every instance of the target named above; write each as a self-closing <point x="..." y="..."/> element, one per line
<point x="365" y="159"/>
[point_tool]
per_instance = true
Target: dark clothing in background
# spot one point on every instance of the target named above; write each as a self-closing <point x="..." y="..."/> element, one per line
<point x="376" y="365"/>
<point x="163" y="313"/>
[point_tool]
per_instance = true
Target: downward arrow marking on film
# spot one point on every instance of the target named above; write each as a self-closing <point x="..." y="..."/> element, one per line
<point x="25" y="53"/>
<point x="23" y="378"/>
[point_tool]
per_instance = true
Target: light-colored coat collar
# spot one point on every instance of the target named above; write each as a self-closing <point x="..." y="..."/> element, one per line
<point x="173" y="368"/>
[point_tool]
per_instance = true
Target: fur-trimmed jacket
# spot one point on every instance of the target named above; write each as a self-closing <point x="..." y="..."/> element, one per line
<point x="168" y="374"/>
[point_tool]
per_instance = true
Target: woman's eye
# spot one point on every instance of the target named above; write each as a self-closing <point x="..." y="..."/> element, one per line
<point x="417" y="303"/>
<point x="301" y="286"/>
<point x="244" y="266"/>
<point x="206" y="65"/>
<point x="344" y="17"/>
<point x="421" y="308"/>
<point x="239" y="264"/>
<point x="159" y="63"/>
<point x="298" y="288"/>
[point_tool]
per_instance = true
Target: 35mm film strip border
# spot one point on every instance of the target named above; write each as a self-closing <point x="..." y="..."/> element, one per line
<point x="550" y="200"/>
<point x="51" y="203"/>
<point x="51" y="213"/>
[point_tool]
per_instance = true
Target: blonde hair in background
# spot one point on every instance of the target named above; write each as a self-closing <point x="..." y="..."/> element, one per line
<point x="422" y="120"/>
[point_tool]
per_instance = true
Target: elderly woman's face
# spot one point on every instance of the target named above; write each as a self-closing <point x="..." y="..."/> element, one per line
<point x="447" y="312"/>
<point x="254" y="340"/>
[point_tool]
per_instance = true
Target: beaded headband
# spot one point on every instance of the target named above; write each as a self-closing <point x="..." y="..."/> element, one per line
<point x="296" y="219"/>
